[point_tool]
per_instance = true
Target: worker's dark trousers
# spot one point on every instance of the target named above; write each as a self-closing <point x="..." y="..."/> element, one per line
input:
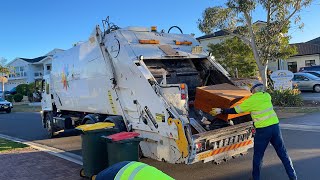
<point x="262" y="138"/>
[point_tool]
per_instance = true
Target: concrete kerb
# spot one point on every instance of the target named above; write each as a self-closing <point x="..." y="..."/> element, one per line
<point x="53" y="151"/>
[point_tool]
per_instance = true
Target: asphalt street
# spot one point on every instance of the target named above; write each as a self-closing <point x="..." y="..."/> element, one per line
<point x="301" y="135"/>
<point x="310" y="96"/>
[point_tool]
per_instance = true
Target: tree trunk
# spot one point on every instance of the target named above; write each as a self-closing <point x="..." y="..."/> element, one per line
<point x="263" y="75"/>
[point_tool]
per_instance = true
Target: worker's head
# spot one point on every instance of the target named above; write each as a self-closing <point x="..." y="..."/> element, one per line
<point x="256" y="86"/>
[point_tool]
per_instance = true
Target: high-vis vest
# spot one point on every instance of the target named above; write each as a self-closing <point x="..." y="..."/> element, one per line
<point x="260" y="107"/>
<point x="140" y="171"/>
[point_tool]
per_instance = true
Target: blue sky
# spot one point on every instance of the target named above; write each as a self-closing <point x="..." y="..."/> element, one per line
<point x="34" y="27"/>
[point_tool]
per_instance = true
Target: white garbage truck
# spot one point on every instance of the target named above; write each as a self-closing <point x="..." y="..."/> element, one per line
<point x="144" y="81"/>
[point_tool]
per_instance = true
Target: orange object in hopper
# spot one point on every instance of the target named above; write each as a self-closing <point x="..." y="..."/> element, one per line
<point x="220" y="96"/>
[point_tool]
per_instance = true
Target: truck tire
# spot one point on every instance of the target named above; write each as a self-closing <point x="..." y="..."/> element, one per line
<point x="89" y="119"/>
<point x="118" y="121"/>
<point x="49" y="125"/>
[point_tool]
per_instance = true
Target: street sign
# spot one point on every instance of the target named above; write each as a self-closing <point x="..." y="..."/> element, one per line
<point x="282" y="79"/>
<point x="278" y="85"/>
<point x="281" y="75"/>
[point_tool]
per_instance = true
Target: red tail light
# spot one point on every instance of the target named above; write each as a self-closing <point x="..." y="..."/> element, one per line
<point x="183" y="91"/>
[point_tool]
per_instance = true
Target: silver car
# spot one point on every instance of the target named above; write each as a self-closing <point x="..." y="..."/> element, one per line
<point x="307" y="81"/>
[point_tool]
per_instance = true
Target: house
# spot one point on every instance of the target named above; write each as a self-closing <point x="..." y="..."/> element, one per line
<point x="25" y="70"/>
<point x="308" y="55"/>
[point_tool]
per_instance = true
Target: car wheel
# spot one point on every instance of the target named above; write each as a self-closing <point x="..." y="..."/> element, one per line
<point x="316" y="88"/>
<point x="8" y="110"/>
<point x="49" y="125"/>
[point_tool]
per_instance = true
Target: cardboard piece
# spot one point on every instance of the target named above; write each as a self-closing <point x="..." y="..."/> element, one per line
<point x="220" y="96"/>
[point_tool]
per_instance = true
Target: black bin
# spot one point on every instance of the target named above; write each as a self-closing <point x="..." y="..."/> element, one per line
<point x="94" y="148"/>
<point x="126" y="149"/>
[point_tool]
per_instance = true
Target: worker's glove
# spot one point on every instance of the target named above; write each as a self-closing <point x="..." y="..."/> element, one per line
<point x="215" y="111"/>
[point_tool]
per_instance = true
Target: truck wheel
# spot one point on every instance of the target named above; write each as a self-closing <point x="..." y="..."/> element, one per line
<point x="8" y="110"/>
<point x="118" y="122"/>
<point x="49" y="125"/>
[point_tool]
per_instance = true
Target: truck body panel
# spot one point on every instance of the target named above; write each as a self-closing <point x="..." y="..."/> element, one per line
<point x="147" y="80"/>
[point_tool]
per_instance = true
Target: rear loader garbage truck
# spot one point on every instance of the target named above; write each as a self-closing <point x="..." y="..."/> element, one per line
<point x="144" y="81"/>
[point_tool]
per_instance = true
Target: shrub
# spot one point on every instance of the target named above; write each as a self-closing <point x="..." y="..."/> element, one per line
<point x="286" y="98"/>
<point x="23" y="89"/>
<point x="18" y="97"/>
<point x="9" y="98"/>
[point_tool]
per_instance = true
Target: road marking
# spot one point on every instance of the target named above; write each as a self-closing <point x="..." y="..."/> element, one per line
<point x="300" y="127"/>
<point x="53" y="151"/>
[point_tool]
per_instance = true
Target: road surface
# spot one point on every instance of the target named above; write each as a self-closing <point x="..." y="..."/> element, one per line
<point x="301" y="135"/>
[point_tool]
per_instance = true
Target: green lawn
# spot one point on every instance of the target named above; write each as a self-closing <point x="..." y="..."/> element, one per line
<point x="26" y="108"/>
<point x="9" y="145"/>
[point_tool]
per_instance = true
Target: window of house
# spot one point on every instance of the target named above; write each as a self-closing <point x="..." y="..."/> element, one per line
<point x="292" y="66"/>
<point x="48" y="68"/>
<point x="310" y="62"/>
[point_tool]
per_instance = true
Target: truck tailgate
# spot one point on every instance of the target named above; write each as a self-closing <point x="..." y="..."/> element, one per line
<point x="222" y="144"/>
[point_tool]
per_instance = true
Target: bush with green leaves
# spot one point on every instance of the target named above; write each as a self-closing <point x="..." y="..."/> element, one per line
<point x="9" y="98"/>
<point x="286" y="98"/>
<point x="23" y="89"/>
<point x="18" y="97"/>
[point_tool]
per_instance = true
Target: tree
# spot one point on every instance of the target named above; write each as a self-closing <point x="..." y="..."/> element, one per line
<point x="268" y="43"/>
<point x="235" y="55"/>
<point x="4" y="71"/>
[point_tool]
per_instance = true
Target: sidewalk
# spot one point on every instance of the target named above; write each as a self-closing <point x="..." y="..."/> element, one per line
<point x="31" y="164"/>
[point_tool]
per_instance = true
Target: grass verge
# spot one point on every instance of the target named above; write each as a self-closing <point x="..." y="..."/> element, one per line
<point x="26" y="108"/>
<point x="10" y="145"/>
<point x="298" y="109"/>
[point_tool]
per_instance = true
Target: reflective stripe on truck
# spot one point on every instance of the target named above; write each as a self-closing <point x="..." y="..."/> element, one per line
<point x="223" y="143"/>
<point x="224" y="149"/>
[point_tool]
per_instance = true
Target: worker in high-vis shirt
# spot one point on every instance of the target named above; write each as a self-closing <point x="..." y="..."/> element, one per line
<point x="266" y="123"/>
<point x="132" y="170"/>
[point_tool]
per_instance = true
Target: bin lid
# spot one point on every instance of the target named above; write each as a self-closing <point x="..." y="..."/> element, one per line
<point x="96" y="126"/>
<point x="123" y="136"/>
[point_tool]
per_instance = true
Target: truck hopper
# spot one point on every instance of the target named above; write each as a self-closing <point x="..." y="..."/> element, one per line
<point x="220" y="96"/>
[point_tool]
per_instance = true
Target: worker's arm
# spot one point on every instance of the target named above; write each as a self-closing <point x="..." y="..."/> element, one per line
<point x="245" y="106"/>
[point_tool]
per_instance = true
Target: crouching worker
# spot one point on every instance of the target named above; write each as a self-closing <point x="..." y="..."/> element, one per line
<point x="131" y="170"/>
<point x="266" y="123"/>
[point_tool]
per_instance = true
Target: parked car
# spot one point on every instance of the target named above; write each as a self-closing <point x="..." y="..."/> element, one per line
<point x="5" y="93"/>
<point x="316" y="73"/>
<point x="13" y="91"/>
<point x="307" y="81"/>
<point x="309" y="68"/>
<point x="5" y="105"/>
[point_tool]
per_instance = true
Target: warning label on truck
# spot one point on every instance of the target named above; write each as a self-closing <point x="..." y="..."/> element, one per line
<point x="113" y="107"/>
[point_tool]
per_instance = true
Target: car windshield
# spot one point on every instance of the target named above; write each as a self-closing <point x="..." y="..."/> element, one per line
<point x="315" y="74"/>
<point x="310" y="76"/>
<point x="1" y="99"/>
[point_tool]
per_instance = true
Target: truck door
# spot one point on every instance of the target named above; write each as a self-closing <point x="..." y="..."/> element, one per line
<point x="46" y="101"/>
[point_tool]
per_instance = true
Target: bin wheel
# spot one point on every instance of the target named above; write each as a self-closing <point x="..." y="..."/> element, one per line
<point x="93" y="177"/>
<point x="82" y="173"/>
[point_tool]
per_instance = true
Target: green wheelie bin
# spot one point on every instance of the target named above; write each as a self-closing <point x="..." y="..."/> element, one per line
<point x="94" y="147"/>
<point x="123" y="146"/>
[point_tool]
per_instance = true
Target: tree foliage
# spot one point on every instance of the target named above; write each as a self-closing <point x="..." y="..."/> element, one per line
<point x="269" y="42"/>
<point x="235" y="55"/>
<point x="3" y="69"/>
